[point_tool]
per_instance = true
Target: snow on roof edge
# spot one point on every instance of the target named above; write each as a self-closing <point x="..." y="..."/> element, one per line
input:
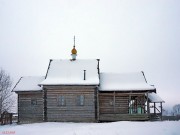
<point x="128" y="90"/>
<point x="28" y="83"/>
<point x="125" y="81"/>
<point x="155" y="98"/>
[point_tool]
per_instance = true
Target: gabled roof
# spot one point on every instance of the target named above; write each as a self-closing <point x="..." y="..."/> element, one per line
<point x="71" y="72"/>
<point x="124" y="82"/>
<point x="28" y="83"/>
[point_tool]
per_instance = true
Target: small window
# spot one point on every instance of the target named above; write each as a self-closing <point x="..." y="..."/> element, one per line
<point x="33" y="101"/>
<point x="61" y="101"/>
<point x="111" y="103"/>
<point x="80" y="100"/>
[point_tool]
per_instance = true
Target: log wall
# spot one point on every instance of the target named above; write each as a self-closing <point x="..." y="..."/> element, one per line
<point x="70" y="110"/>
<point x="114" y="106"/>
<point x="108" y="104"/>
<point x="28" y="113"/>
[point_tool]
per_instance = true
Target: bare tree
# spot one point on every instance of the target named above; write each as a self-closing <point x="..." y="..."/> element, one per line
<point x="6" y="101"/>
<point x="176" y="110"/>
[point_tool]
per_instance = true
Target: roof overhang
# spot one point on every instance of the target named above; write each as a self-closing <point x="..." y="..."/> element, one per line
<point x="155" y="98"/>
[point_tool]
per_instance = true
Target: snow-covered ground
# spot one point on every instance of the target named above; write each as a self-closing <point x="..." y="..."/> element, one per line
<point x="114" y="128"/>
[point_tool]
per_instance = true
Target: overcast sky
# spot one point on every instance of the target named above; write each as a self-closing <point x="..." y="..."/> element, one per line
<point x="127" y="35"/>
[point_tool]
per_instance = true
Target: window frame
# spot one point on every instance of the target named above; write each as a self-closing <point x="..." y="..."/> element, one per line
<point x="80" y="100"/>
<point x="61" y="100"/>
<point x="33" y="101"/>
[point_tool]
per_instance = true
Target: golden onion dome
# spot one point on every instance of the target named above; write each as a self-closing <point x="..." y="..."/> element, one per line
<point x="74" y="51"/>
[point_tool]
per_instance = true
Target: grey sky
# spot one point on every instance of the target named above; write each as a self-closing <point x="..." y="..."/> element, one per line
<point x="127" y="35"/>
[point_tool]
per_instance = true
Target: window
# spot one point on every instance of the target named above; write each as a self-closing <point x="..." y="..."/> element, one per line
<point x="61" y="101"/>
<point x="33" y="101"/>
<point x="80" y="100"/>
<point x="111" y="102"/>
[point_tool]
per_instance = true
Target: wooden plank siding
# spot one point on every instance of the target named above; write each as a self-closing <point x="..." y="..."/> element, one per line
<point x="70" y="111"/>
<point x="108" y="105"/>
<point x="115" y="106"/>
<point x="28" y="113"/>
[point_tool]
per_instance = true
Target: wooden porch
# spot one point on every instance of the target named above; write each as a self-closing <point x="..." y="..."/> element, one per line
<point x="124" y="117"/>
<point x="117" y="106"/>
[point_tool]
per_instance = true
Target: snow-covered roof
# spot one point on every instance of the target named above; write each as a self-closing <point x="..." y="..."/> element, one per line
<point x="153" y="97"/>
<point x="69" y="72"/>
<point x="123" y="82"/>
<point x="29" y="83"/>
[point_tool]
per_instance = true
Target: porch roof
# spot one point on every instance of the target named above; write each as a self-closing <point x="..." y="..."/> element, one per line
<point x="154" y="98"/>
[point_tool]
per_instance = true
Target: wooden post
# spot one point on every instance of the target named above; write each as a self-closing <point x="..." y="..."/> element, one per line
<point x="18" y="109"/>
<point x="144" y="101"/>
<point x="10" y="118"/>
<point x="114" y="102"/>
<point x="141" y="100"/>
<point x="161" y="110"/>
<point x="129" y="104"/>
<point x="148" y="111"/>
<point x="136" y="105"/>
<point x="96" y="104"/>
<point x="98" y="107"/>
<point x="45" y="105"/>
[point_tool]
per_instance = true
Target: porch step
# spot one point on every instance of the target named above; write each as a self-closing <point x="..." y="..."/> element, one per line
<point x="155" y="117"/>
<point x="123" y="117"/>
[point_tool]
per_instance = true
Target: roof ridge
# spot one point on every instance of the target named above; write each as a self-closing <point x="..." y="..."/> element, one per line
<point x="121" y="72"/>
